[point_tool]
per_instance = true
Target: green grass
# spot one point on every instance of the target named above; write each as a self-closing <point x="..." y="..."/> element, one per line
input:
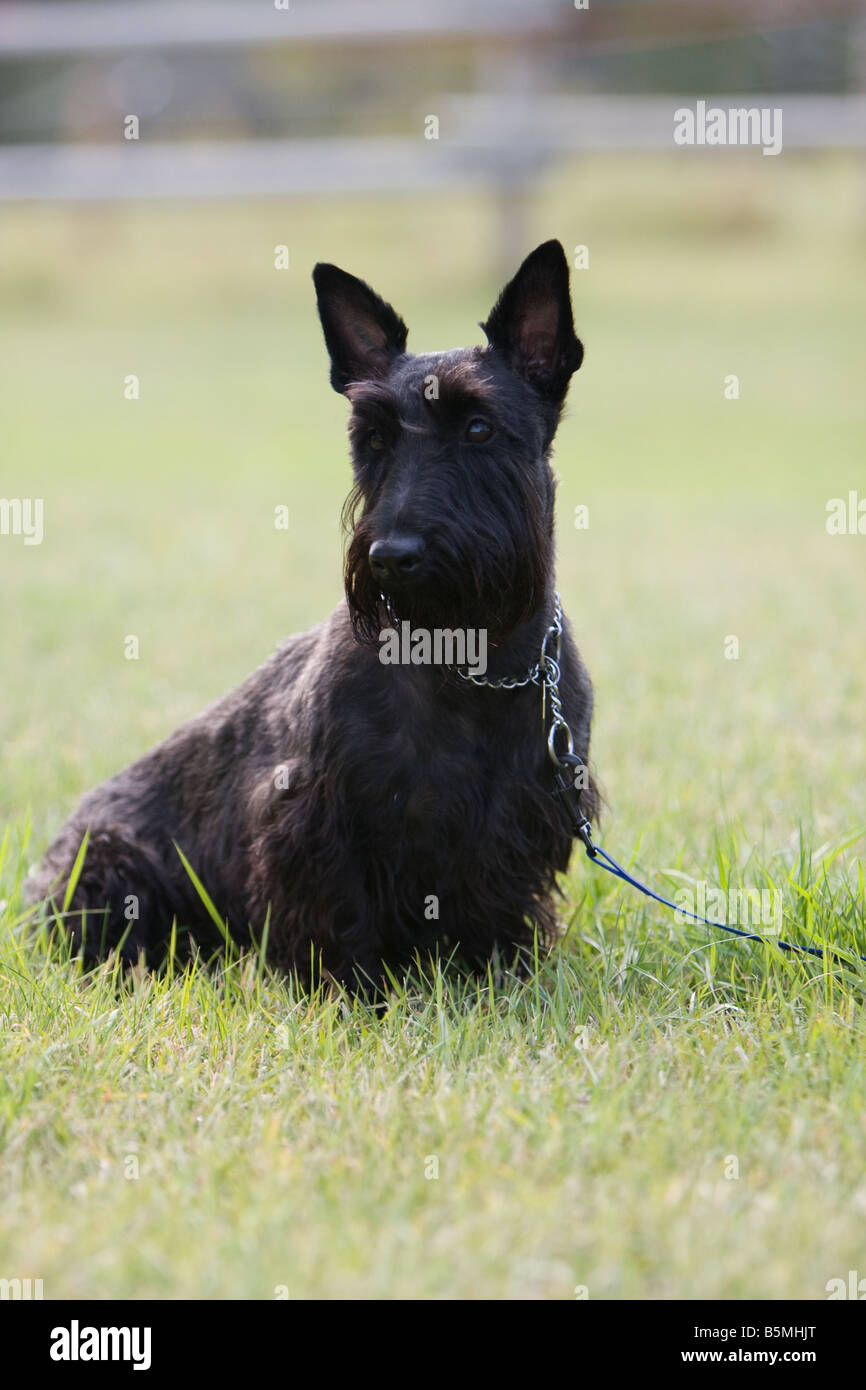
<point x="584" y="1121"/>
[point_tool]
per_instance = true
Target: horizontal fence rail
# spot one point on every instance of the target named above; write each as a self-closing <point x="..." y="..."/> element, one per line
<point x="81" y="26"/>
<point x="78" y="27"/>
<point x="482" y="140"/>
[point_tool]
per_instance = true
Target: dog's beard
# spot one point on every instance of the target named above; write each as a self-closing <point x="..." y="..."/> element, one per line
<point x="496" y="592"/>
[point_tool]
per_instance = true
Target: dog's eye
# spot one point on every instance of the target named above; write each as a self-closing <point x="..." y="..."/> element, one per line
<point x="478" y="431"/>
<point x="375" y="441"/>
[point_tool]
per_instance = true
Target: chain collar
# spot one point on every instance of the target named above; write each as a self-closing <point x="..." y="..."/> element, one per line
<point x="546" y="673"/>
<point x="534" y="674"/>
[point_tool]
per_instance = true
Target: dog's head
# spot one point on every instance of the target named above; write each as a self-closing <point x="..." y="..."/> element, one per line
<point x="452" y="510"/>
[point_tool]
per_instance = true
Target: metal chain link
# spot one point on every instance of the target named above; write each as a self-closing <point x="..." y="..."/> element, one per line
<point x="546" y="673"/>
<point x="533" y="675"/>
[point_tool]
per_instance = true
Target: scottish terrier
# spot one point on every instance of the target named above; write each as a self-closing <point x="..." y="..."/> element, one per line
<point x="355" y="811"/>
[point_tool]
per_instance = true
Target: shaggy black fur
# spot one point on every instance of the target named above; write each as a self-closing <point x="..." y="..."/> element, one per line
<point x="338" y="796"/>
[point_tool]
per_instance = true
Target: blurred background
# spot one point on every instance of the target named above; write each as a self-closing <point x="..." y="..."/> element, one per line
<point x="239" y="99"/>
<point x="154" y="160"/>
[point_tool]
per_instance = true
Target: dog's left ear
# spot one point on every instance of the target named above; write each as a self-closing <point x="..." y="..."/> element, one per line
<point x="532" y="324"/>
<point x="363" y="334"/>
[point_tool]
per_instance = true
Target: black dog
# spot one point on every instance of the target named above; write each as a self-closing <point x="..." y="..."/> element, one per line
<point x="367" y="811"/>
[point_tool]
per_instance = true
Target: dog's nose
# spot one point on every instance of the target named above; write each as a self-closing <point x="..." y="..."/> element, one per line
<point x="396" y="558"/>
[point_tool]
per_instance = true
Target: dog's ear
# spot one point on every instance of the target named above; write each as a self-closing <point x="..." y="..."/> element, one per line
<point x="531" y="323"/>
<point x="363" y="334"/>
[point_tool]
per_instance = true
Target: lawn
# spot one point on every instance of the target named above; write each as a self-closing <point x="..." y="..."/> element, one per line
<point x="660" y="1111"/>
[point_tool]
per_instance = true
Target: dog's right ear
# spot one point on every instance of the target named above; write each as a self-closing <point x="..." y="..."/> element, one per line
<point x="531" y="323"/>
<point x="363" y="334"/>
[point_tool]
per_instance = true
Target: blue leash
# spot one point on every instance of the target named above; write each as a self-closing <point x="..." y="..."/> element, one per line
<point x="569" y="795"/>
